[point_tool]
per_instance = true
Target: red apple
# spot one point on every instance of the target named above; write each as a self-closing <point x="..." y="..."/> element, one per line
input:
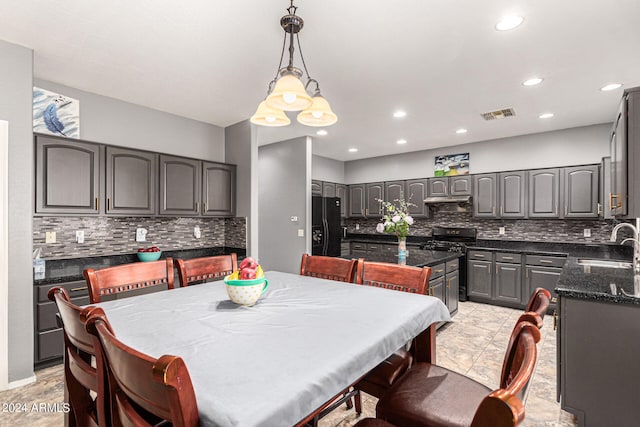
<point x="247" y="273"/>
<point x="141" y="249"/>
<point x="248" y="262"/>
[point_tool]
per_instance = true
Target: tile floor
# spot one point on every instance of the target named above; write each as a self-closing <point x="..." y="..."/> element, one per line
<point x="473" y="344"/>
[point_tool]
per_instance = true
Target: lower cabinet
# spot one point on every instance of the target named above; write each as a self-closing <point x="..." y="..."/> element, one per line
<point x="444" y="283"/>
<point x="508" y="279"/>
<point x="48" y="339"/>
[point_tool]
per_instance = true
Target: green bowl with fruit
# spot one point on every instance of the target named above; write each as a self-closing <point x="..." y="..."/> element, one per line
<point x="247" y="284"/>
<point x="149" y="254"/>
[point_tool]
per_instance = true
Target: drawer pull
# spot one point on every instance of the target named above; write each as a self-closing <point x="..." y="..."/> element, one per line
<point x="507" y="257"/>
<point x="479" y="255"/>
<point x="546" y="261"/>
<point x="438" y="271"/>
<point x="84" y="288"/>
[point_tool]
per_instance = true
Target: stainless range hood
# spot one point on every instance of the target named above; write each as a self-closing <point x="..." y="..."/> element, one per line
<point x="448" y="199"/>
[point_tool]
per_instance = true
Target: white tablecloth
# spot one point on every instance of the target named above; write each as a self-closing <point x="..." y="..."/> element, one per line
<point x="276" y="362"/>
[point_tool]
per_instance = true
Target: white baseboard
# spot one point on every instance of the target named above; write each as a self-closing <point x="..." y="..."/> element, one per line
<point x="19" y="383"/>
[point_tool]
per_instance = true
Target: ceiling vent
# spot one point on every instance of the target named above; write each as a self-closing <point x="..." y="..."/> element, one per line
<point x="499" y="114"/>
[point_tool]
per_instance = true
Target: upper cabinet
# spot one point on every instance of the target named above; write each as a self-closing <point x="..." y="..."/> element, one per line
<point x="544" y="193"/>
<point x="512" y="194"/>
<point x="356" y="200"/>
<point x="581" y="191"/>
<point x="316" y="187"/>
<point x="131" y="182"/>
<point x="374" y="193"/>
<point x="218" y="189"/>
<point x="449" y="186"/>
<point x="67" y="176"/>
<point x="394" y="190"/>
<point x="416" y="192"/>
<point x="343" y="193"/>
<point x="328" y="189"/>
<point x="180" y="180"/>
<point x="485" y="195"/>
<point x="81" y="178"/>
<point x="438" y="187"/>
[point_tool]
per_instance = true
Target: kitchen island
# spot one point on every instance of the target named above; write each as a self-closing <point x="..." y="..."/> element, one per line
<point x="598" y="343"/>
<point x="445" y="270"/>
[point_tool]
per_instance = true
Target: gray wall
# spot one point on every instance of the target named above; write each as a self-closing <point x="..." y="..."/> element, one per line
<point x="110" y="121"/>
<point x="325" y="169"/>
<point x="566" y="147"/>
<point x="285" y="191"/>
<point x="16" y="74"/>
<point x="241" y="149"/>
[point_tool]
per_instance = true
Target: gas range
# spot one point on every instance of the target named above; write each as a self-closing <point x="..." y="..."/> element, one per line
<point x="451" y="239"/>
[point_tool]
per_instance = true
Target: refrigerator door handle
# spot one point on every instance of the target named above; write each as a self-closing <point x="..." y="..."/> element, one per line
<point x="325" y="232"/>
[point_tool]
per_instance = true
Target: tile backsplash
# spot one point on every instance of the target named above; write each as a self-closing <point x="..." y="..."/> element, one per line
<point x="551" y="230"/>
<point x="116" y="235"/>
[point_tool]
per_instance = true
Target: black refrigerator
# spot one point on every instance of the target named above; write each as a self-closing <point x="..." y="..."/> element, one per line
<point x="325" y="231"/>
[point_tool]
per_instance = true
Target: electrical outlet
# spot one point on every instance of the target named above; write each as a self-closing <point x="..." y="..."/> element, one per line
<point x="300" y="232"/>
<point x="294" y="218"/>
<point x="587" y="232"/>
<point x="141" y="235"/>
<point x="357" y="226"/>
<point x="501" y="230"/>
<point x="80" y="236"/>
<point x="196" y="232"/>
<point x="50" y="237"/>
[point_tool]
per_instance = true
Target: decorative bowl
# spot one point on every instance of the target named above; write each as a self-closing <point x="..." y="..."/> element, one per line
<point x="149" y="256"/>
<point x="246" y="292"/>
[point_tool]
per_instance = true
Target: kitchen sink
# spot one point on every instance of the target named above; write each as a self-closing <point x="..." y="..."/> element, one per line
<point x="605" y="263"/>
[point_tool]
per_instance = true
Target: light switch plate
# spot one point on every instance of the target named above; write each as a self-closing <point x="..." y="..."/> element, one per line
<point x="196" y="232"/>
<point x="587" y="232"/>
<point x="300" y="232"/>
<point x="141" y="235"/>
<point x="501" y="230"/>
<point x="50" y="237"/>
<point x="80" y="236"/>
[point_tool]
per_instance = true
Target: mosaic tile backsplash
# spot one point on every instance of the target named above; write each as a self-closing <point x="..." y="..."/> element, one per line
<point x="116" y="235"/>
<point x="552" y="230"/>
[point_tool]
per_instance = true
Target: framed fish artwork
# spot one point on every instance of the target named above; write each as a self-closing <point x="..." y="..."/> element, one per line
<point x="55" y="114"/>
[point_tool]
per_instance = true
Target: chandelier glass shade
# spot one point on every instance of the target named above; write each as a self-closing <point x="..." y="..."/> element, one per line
<point x="287" y="92"/>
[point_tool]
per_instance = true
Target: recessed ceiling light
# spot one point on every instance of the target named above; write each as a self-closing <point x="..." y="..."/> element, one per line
<point x="610" y="86"/>
<point x="532" y="81"/>
<point x="546" y="115"/>
<point x="353" y="150"/>
<point x="401" y="141"/>
<point x="509" y="23"/>
<point x="321" y="132"/>
<point x="398" y="114"/>
<point x="461" y="130"/>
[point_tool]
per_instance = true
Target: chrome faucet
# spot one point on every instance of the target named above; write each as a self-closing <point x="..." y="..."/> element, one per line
<point x="635" y="239"/>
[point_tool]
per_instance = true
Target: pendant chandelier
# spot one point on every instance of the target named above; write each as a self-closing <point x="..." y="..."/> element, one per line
<point x="286" y="91"/>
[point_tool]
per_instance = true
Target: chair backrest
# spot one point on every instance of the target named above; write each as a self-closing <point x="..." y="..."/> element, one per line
<point x="144" y="389"/>
<point x="204" y="269"/>
<point x="504" y="407"/>
<point x="81" y="377"/>
<point x="127" y="277"/>
<point x="539" y="302"/>
<point x="326" y="267"/>
<point x="393" y="276"/>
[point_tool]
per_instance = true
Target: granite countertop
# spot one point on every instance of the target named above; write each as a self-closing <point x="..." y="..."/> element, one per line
<point x="596" y="283"/>
<point x="415" y="257"/>
<point x="70" y="269"/>
<point x="591" y="250"/>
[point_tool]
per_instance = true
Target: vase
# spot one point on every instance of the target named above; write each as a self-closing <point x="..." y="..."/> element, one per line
<point x="402" y="250"/>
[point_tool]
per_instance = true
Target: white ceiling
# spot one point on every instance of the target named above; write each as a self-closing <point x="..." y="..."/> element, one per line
<point x="440" y="60"/>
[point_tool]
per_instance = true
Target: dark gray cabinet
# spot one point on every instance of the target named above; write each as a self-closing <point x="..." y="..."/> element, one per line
<point x="131" y="182"/>
<point x="485" y="195"/>
<point x="416" y="192"/>
<point x="394" y="190"/>
<point x="449" y="186"/>
<point x="543" y="272"/>
<point x="374" y="193"/>
<point x="180" y="180"/>
<point x="581" y="191"/>
<point x="437" y="289"/>
<point x="604" y="207"/>
<point x="218" y="189"/>
<point x="598" y="361"/>
<point x="508" y="279"/>
<point x="452" y="282"/>
<point x="343" y="193"/>
<point x="512" y="194"/>
<point x="48" y="337"/>
<point x="544" y="193"/>
<point x="479" y="279"/>
<point x="356" y="200"/>
<point x="67" y="176"/>
<point x="328" y="189"/>
<point x="316" y="187"/>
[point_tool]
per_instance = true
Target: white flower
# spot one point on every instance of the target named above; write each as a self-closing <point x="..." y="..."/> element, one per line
<point x="395" y="218"/>
<point x="409" y="219"/>
<point x="388" y="224"/>
<point x="380" y="228"/>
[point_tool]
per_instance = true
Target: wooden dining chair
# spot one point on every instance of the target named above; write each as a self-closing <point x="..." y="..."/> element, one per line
<point x="539" y="302"/>
<point x="144" y="391"/>
<point x="83" y="372"/>
<point x="200" y="270"/>
<point x="399" y="278"/>
<point x="326" y="267"/>
<point x="430" y="395"/>
<point x="127" y="277"/>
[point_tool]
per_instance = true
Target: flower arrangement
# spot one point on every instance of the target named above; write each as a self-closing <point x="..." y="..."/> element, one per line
<point x="396" y="219"/>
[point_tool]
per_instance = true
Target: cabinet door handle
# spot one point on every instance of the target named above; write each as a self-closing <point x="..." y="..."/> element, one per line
<point x="448" y="283"/>
<point x="97" y="204"/>
<point x="83" y="288"/>
<point x="108" y="203"/>
<point x="493" y="210"/>
<point x="566" y="210"/>
<point x="197" y="207"/>
<point x="555" y="320"/>
<point x="204" y="209"/>
<point x="501" y="210"/>
<point x="526" y="273"/>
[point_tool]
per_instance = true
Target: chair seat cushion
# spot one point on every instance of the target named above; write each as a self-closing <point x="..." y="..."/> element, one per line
<point x="430" y="395"/>
<point x="387" y="372"/>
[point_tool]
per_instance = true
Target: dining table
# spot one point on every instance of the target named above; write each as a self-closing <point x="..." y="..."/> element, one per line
<point x="274" y="363"/>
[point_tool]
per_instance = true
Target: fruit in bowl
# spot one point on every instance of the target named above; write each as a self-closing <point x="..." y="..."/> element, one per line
<point x="247" y="284"/>
<point x="149" y="254"/>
